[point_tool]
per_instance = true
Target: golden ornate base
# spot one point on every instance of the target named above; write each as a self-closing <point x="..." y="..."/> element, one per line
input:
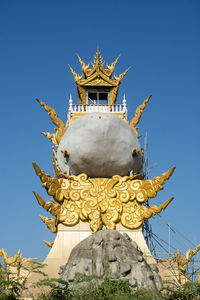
<point x="100" y="201"/>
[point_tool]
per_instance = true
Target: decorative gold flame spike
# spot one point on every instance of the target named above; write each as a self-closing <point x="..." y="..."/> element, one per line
<point x="85" y="67"/>
<point x="39" y="199"/>
<point x="36" y="168"/>
<point x="49" y="244"/>
<point x="149" y="188"/>
<point x="51" y="137"/>
<point x="52" y="208"/>
<point x="50" y="223"/>
<point x="153" y="210"/>
<point x="165" y="176"/>
<point x="138" y="115"/>
<point x="45" y="178"/>
<point x="55" y="138"/>
<point x="43" y="218"/>
<point x="77" y="77"/>
<point x="111" y="68"/>
<point x="118" y="79"/>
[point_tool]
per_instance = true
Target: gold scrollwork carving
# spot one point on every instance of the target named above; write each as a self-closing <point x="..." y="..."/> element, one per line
<point x="100" y="201"/>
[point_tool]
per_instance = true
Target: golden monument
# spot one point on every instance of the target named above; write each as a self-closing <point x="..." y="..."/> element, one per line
<point x="98" y="164"/>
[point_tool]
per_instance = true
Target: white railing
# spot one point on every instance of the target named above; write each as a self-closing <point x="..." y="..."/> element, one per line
<point x="105" y="108"/>
<point x="96" y="108"/>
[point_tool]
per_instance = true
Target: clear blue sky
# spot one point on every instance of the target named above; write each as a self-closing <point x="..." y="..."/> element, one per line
<point x="160" y="40"/>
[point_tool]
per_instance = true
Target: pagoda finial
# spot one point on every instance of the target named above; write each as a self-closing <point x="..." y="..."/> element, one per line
<point x="98" y="52"/>
<point x="98" y="60"/>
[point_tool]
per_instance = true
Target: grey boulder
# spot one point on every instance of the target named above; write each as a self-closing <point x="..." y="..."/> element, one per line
<point x="107" y="253"/>
<point x="100" y="145"/>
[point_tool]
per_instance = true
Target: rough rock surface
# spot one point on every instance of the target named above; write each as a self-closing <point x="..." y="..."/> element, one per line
<point x="107" y="253"/>
<point x="99" y="145"/>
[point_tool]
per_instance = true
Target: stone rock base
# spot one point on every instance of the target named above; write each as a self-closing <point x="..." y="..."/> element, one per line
<point x="107" y="253"/>
<point x="68" y="237"/>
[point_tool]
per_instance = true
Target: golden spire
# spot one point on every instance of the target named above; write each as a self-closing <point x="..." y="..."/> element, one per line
<point x="98" y="60"/>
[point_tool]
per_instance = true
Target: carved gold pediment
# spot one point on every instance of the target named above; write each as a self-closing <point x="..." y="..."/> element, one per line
<point x="96" y="79"/>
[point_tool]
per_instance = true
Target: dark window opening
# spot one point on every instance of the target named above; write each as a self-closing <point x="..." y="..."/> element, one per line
<point x="97" y="97"/>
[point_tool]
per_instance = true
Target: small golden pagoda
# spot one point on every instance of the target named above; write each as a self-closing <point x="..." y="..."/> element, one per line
<point x="96" y="85"/>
